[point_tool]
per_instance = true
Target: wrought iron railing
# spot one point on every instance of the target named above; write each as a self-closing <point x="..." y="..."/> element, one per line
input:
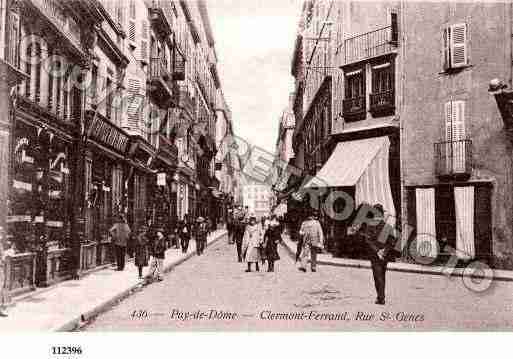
<point x="55" y="13"/>
<point x="380" y="101"/>
<point x="453" y="158"/>
<point x="354" y="106"/>
<point x="370" y="44"/>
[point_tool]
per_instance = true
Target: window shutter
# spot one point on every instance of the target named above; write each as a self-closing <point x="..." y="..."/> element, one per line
<point x="14" y="35"/>
<point x="135" y="102"/>
<point x="131" y="30"/>
<point x="458" y="118"/>
<point x="132" y="9"/>
<point x="143" y="51"/>
<point x="458" y="43"/>
<point x="448" y="121"/>
<point x="446" y="49"/>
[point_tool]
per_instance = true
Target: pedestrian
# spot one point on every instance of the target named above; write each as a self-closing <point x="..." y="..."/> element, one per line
<point x="201" y="235"/>
<point x="184" y="233"/>
<point x="272" y="237"/>
<point x="379" y="253"/>
<point x="229" y="226"/>
<point x="238" y="233"/>
<point x="4" y="296"/>
<point x="159" y="254"/>
<point x="120" y="232"/>
<point x="313" y="242"/>
<point x="253" y="239"/>
<point x="141" y="250"/>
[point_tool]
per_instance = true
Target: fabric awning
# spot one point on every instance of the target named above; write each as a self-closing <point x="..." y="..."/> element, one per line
<point x="362" y="164"/>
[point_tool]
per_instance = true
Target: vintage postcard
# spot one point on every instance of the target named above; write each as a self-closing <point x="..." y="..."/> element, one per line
<point x="259" y="165"/>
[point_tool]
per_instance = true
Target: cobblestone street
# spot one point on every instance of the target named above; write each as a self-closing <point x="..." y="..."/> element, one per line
<point x="217" y="285"/>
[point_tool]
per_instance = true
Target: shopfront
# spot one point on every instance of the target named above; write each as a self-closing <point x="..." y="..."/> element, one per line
<point x="104" y="177"/>
<point x="39" y="206"/>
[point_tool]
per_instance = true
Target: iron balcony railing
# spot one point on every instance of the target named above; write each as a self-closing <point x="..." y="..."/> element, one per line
<point x="453" y="158"/>
<point x="56" y="14"/>
<point x="370" y="44"/>
<point x="382" y="101"/>
<point x="354" y="106"/>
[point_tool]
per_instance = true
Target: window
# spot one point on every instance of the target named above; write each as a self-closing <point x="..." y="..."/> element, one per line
<point x="382" y="78"/>
<point x="355" y="85"/>
<point x="455" y="120"/>
<point x="94" y="82"/>
<point x="108" y="110"/>
<point x="14" y="36"/>
<point x="457" y="156"/>
<point x="455" y="46"/>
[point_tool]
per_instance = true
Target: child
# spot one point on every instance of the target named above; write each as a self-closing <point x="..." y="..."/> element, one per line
<point x="159" y="254"/>
<point x="141" y="250"/>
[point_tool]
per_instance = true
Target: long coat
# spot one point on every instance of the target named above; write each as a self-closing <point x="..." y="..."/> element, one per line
<point x="272" y="238"/>
<point x="120" y="232"/>
<point x="251" y="243"/>
<point x="142" y="252"/>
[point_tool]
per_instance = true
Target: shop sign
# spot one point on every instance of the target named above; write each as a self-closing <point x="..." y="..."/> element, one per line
<point x="161" y="179"/>
<point x="108" y="134"/>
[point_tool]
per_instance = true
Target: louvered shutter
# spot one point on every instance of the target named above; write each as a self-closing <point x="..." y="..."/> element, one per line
<point x="447" y="148"/>
<point x="458" y="43"/>
<point x="135" y="103"/>
<point x="131" y="30"/>
<point x="458" y="135"/>
<point x="144" y="51"/>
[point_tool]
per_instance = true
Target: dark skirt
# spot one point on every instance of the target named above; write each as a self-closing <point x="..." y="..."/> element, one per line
<point x="271" y="251"/>
<point x="141" y="256"/>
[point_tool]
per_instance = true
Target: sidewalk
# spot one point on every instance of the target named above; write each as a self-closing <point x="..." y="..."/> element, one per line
<point x="64" y="306"/>
<point x="327" y="259"/>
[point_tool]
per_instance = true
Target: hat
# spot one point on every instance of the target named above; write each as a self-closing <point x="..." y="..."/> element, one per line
<point x="379" y="208"/>
<point x="200" y="219"/>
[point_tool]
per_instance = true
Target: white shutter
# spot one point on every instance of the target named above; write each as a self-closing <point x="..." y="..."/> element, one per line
<point x="448" y="121"/>
<point x="458" y="136"/>
<point x="458" y="43"/>
<point x="426" y="226"/>
<point x="135" y="101"/>
<point x="131" y="31"/>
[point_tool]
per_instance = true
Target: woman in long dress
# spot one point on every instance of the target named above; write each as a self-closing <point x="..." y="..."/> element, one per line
<point x="272" y="237"/>
<point x="251" y="243"/>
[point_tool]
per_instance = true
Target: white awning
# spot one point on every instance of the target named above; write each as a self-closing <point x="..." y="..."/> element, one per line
<point x="363" y="164"/>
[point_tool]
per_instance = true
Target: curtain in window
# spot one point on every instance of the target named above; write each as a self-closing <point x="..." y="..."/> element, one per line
<point x="426" y="228"/>
<point x="464" y="200"/>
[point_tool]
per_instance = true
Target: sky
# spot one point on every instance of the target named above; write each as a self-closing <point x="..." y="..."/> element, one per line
<point x="254" y="44"/>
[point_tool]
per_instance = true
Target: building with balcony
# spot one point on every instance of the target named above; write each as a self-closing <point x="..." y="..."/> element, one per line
<point x="409" y="97"/>
<point x="107" y="116"/>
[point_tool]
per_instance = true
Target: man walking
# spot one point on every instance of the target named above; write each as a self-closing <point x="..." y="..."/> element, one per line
<point x="379" y="253"/>
<point x="201" y="236"/>
<point x="313" y="242"/>
<point x="239" y="226"/>
<point x="120" y="232"/>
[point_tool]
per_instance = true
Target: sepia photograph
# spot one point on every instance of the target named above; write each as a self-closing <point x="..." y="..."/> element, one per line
<point x="255" y="166"/>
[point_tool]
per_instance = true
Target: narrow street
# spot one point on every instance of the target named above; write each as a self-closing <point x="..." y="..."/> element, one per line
<point x="217" y="282"/>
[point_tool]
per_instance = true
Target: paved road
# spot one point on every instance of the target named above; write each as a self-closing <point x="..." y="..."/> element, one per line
<point x="218" y="286"/>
